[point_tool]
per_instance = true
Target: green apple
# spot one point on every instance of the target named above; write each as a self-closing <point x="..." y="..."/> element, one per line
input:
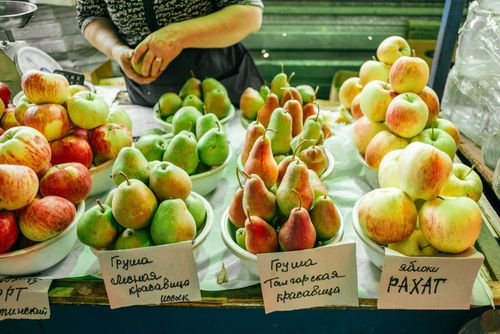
<point x="373" y="70"/>
<point x="463" y="181"/>
<point x="414" y="245"/>
<point x="375" y="98"/>
<point x="448" y="127"/>
<point x="392" y="48"/>
<point x="87" y="110"/>
<point x="388" y="170"/>
<point x="118" y="115"/>
<point x="439" y="139"/>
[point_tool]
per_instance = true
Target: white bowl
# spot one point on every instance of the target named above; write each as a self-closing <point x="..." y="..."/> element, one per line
<point x="167" y="127"/>
<point x="43" y="255"/>
<point x="371" y="174"/>
<point x="248" y="259"/>
<point x="204" y="183"/>
<point x="244" y="122"/>
<point x="101" y="178"/>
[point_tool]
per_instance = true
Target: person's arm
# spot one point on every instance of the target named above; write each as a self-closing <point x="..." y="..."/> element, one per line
<point x="220" y="29"/>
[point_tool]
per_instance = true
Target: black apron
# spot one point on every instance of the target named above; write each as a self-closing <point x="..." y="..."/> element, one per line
<point x="232" y="66"/>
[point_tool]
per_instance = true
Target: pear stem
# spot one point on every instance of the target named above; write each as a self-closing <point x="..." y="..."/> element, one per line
<point x="218" y="126"/>
<point x="413" y="53"/>
<point x="298" y="195"/>
<point x="126" y="177"/>
<point x="319" y="110"/>
<point x="244" y="174"/>
<point x="192" y="74"/>
<point x="265" y="131"/>
<point x="470" y="170"/>
<point x="298" y="146"/>
<point x="249" y="217"/>
<point x="282" y="68"/>
<point x="100" y="204"/>
<point x="238" y="177"/>
<point x="291" y="76"/>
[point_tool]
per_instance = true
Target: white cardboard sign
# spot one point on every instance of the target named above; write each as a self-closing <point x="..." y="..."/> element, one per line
<point x="150" y="275"/>
<point x="428" y="283"/>
<point x="24" y="298"/>
<point x="308" y="278"/>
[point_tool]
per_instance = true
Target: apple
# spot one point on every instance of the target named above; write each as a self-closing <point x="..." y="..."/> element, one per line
<point x="71" y="149"/>
<point x="383" y="143"/>
<point x="356" y="107"/>
<point x="423" y="170"/>
<point x="26" y="146"/>
<point x="387" y="215"/>
<point x="71" y="181"/>
<point x="87" y="110"/>
<point x="50" y="119"/>
<point x="5" y="94"/>
<point x="46" y="217"/>
<point x="1" y="131"/>
<point x="42" y="87"/>
<point x="18" y="186"/>
<point x="348" y="90"/>
<point x="429" y="96"/>
<point x="463" y="181"/>
<point x="448" y="127"/>
<point x="375" y="98"/>
<point x="392" y="48"/>
<point x="82" y="133"/>
<point x="22" y="105"/>
<point x="9" y="119"/>
<point x="364" y="130"/>
<point x="388" y="170"/>
<point x="118" y="115"/>
<point x="108" y="139"/>
<point x="406" y="115"/>
<point x="451" y="225"/>
<point x="373" y="70"/>
<point x="409" y="74"/>
<point x="2" y="108"/>
<point x="42" y="172"/>
<point x="439" y="139"/>
<point x="414" y="245"/>
<point x="73" y="89"/>
<point x="8" y="230"/>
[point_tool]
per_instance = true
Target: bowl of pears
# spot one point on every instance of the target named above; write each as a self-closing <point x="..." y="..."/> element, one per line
<point x="198" y="97"/>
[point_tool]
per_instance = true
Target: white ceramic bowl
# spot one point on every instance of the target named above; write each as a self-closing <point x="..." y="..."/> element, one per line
<point x="204" y="183"/>
<point x="248" y="259"/>
<point x="43" y="255"/>
<point x="371" y="174"/>
<point x="167" y="127"/>
<point x="244" y="122"/>
<point x="101" y="178"/>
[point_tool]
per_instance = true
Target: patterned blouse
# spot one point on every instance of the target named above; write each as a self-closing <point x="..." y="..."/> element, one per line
<point x="136" y="19"/>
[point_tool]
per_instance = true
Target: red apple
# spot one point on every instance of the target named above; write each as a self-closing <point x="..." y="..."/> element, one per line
<point x="108" y="139"/>
<point x="5" y="94"/>
<point x="71" y="148"/>
<point x="50" y="119"/>
<point x="42" y="87"/>
<point x="2" y="108"/>
<point x="42" y="172"/>
<point x="22" y="105"/>
<point x="82" y="133"/>
<point x="46" y="217"/>
<point x="407" y="115"/>
<point x="26" y="146"/>
<point x="9" y="119"/>
<point x="409" y="75"/>
<point x="432" y="101"/>
<point x="348" y="90"/>
<point x="71" y="181"/>
<point x="393" y="48"/>
<point x="356" y="107"/>
<point x="87" y="110"/>
<point x="18" y="186"/>
<point x="8" y="230"/>
<point x="383" y="143"/>
<point x="375" y="98"/>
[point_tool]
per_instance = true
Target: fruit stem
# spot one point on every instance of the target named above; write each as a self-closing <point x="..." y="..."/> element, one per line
<point x="282" y="68"/>
<point x="319" y="109"/>
<point x="128" y="233"/>
<point x="298" y="195"/>
<point x="316" y="91"/>
<point x="470" y="170"/>
<point x="248" y="215"/>
<point x="100" y="204"/>
<point x="374" y="58"/>
<point x="297" y="148"/>
<point x="125" y="176"/>
<point x="291" y="76"/>
<point x="244" y="173"/>
<point x="218" y="126"/>
<point x="192" y="74"/>
<point x="265" y="131"/>
<point x="238" y="177"/>
<point x="413" y="53"/>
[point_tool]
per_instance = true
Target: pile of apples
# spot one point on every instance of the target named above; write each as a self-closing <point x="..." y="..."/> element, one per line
<point x="154" y="206"/>
<point x="215" y="99"/>
<point x="393" y="106"/>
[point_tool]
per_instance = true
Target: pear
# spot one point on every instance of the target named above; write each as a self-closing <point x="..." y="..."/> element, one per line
<point x="298" y="231"/>
<point x="264" y="113"/>
<point x="193" y="101"/>
<point x="109" y="197"/>
<point x="254" y="131"/>
<point x="307" y="93"/>
<point x="185" y="119"/>
<point x="134" y="204"/>
<point x="315" y="158"/>
<point x="256" y="197"/>
<point x="296" y="178"/>
<point x="308" y="110"/>
<point x="236" y="214"/>
<point x="168" y="181"/>
<point x="294" y="108"/>
<point x="97" y="227"/>
<point x="260" y="236"/>
<point x="168" y="104"/>
<point x="264" y="91"/>
<point x="205" y="123"/>
<point x="213" y="147"/>
<point x="191" y="87"/>
<point x="325" y="218"/>
<point x="210" y="84"/>
<point x="131" y="162"/>
<point x="281" y="123"/>
<point x="131" y="238"/>
<point x="261" y="161"/>
<point x="153" y="131"/>
<point x="317" y="185"/>
<point x="197" y="209"/>
<point x="217" y="102"/>
<point x="280" y="80"/>
<point x="291" y="93"/>
<point x="241" y="235"/>
<point x="283" y="164"/>
<point x="172" y="223"/>
<point x="279" y="158"/>
<point x="183" y="152"/>
<point x="152" y="147"/>
<point x="119" y="116"/>
<point x="311" y="131"/>
<point x="250" y="103"/>
<point x="153" y="164"/>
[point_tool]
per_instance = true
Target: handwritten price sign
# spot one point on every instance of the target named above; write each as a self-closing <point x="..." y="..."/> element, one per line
<point x="24" y="298"/>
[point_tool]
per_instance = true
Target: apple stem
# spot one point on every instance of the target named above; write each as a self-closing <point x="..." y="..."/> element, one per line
<point x="291" y="76"/>
<point x="374" y="58"/>
<point x="298" y="195"/>
<point x="238" y="177"/>
<point x="470" y="170"/>
<point x="100" y="204"/>
<point x="192" y="74"/>
<point x="126" y="177"/>
<point x="413" y="53"/>
<point x="319" y="110"/>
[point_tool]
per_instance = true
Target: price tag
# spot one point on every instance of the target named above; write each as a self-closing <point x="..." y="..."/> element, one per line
<point x="24" y="298"/>
<point x="314" y="277"/>
<point x="150" y="275"/>
<point x="428" y="283"/>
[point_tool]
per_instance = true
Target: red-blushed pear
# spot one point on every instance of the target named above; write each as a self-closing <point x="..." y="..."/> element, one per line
<point x="298" y="232"/>
<point x="308" y="110"/>
<point x="260" y="236"/>
<point x="26" y="146"/>
<point x="315" y="158"/>
<point x="439" y="139"/>
<point x="373" y="70"/>
<point x="264" y="114"/>
<point x="259" y="199"/>
<point x="388" y="176"/>
<point x="291" y="93"/>
<point x="8" y="230"/>
<point x="387" y="215"/>
<point x="451" y="225"/>
<point x="5" y="93"/>
<point x="42" y="87"/>
<point x="71" y="148"/>
<point x="406" y="115"/>
<point x="45" y="218"/>
<point x="18" y="186"/>
<point x="356" y="107"/>
<point x="283" y="165"/>
<point x="429" y="96"/>
<point x="296" y="178"/>
<point x="423" y="170"/>
<point x="409" y="74"/>
<point x="448" y="127"/>
<point x="50" y="119"/>
<point x="108" y="139"/>
<point x="87" y="110"/>
<point x="294" y="108"/>
<point x="375" y="98"/>
<point x="392" y="48"/>
<point x="325" y="218"/>
<point x="261" y="161"/>
<point x="8" y="119"/>
<point x="348" y="91"/>
<point x="463" y="181"/>
<point x="71" y="181"/>
<point x="250" y="103"/>
<point x="381" y="144"/>
<point x="363" y="132"/>
<point x="254" y="131"/>
<point x="236" y="214"/>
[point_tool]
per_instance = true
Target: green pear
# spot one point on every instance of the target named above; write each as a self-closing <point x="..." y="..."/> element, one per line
<point x="168" y="104"/>
<point x="250" y="103"/>
<point x="280" y="81"/>
<point x="97" y="227"/>
<point x="131" y="162"/>
<point x="325" y="218"/>
<point x="138" y="66"/>
<point x="197" y="210"/>
<point x="169" y="181"/>
<point x="130" y="239"/>
<point x="307" y="93"/>
<point x="264" y="91"/>
<point x="119" y="116"/>
<point x="109" y="197"/>
<point x="279" y="158"/>
<point x="213" y="147"/>
<point x="183" y="152"/>
<point x="205" y="123"/>
<point x="172" y="223"/>
<point x="153" y="147"/>
<point x="169" y="119"/>
<point x="153" y="131"/>
<point x="217" y="102"/>
<point x="185" y="119"/>
<point x="191" y="87"/>
<point x="281" y="123"/>
<point x="193" y="101"/>
<point x="311" y="132"/>
<point x="153" y="164"/>
<point x="241" y="235"/>
<point x="210" y="84"/>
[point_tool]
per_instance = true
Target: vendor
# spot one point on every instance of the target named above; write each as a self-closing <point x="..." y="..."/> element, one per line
<point x="174" y="39"/>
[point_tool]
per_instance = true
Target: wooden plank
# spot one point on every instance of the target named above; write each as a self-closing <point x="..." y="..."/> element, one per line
<point x="473" y="153"/>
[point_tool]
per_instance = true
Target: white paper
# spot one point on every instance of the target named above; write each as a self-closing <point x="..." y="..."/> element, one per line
<point x="24" y="298"/>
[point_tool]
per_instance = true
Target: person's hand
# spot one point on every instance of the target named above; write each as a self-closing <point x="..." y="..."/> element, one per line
<point x="157" y="51"/>
<point x="123" y="55"/>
